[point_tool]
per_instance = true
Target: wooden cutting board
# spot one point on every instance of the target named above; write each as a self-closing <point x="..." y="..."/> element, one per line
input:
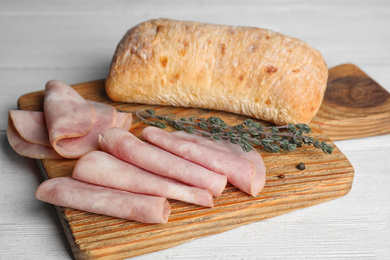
<point x="354" y="105"/>
<point x="326" y="177"/>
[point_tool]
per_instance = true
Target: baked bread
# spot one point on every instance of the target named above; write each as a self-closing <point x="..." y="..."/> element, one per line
<point x="245" y="70"/>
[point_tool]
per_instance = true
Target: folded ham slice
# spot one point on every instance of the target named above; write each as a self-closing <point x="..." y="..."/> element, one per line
<point x="75" y="146"/>
<point x="27" y="135"/>
<point x="67" y="113"/>
<point x="124" y="120"/>
<point x="103" y="169"/>
<point x="125" y="146"/>
<point x="74" y="123"/>
<point x="68" y="192"/>
<point x="68" y="128"/>
<point x="245" y="170"/>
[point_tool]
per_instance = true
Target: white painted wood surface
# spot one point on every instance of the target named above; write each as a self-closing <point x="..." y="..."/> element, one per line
<point x="74" y="40"/>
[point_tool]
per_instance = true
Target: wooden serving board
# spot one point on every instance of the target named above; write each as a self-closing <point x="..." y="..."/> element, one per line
<point x="326" y="177"/>
<point x="354" y="105"/>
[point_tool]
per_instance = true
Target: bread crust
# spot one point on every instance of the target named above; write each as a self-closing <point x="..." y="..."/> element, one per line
<point x="245" y="70"/>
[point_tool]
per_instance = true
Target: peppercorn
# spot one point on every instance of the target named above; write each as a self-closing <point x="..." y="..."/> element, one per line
<point x="301" y="166"/>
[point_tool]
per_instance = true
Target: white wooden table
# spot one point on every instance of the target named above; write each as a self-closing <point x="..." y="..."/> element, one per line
<point x="74" y="40"/>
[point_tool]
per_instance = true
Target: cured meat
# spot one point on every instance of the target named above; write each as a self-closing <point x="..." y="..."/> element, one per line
<point x="124" y="120"/>
<point x="30" y="125"/>
<point x="127" y="147"/>
<point x="27" y="135"/>
<point x="103" y="169"/>
<point x="68" y="192"/>
<point x="249" y="182"/>
<point x="74" y="123"/>
<point x="245" y="170"/>
<point x="67" y="113"/>
<point x="68" y="128"/>
<point x="75" y="147"/>
<point x="106" y="117"/>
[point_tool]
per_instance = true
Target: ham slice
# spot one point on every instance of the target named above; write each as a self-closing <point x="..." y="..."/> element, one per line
<point x="68" y="192"/>
<point x="103" y="169"/>
<point x="68" y="128"/>
<point x="75" y="147"/>
<point x="67" y="113"/>
<point x="124" y="120"/>
<point x="74" y="123"/>
<point x="127" y="147"/>
<point x="245" y="170"/>
<point x="29" y="125"/>
<point x="27" y="135"/>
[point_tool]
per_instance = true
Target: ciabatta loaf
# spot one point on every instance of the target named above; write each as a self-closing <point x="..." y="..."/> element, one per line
<point x="250" y="71"/>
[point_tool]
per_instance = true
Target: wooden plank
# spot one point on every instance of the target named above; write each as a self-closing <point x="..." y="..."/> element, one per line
<point x="326" y="177"/>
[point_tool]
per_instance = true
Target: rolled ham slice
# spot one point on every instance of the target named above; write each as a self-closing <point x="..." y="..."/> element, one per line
<point x="103" y="169"/>
<point x="125" y="146"/>
<point x="245" y="170"/>
<point x="68" y="192"/>
<point x="27" y="135"/>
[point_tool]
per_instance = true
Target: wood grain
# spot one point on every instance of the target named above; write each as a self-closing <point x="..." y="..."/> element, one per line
<point x="93" y="236"/>
<point x="354" y="105"/>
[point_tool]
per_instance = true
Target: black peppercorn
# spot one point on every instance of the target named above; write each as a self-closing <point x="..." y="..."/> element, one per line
<point x="301" y="166"/>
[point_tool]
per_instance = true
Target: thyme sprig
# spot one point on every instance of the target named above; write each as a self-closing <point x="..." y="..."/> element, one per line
<point x="247" y="134"/>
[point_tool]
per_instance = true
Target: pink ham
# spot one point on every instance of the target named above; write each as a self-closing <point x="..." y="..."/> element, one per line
<point x="68" y="192"/>
<point x="35" y="120"/>
<point x="68" y="128"/>
<point x="75" y="147"/>
<point x="67" y="113"/>
<point x="245" y="170"/>
<point x="124" y="120"/>
<point x="27" y="135"/>
<point x="70" y="117"/>
<point x="127" y="147"/>
<point x="74" y="123"/>
<point x="103" y="169"/>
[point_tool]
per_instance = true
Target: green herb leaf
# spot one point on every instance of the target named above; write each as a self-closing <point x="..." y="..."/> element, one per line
<point x="304" y="128"/>
<point x="150" y="111"/>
